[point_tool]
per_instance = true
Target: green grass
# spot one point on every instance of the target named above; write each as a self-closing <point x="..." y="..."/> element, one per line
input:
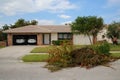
<point x="117" y="55"/>
<point x="2" y="46"/>
<point x="35" y="58"/>
<point x="46" y="49"/>
<point x="41" y="49"/>
<point x="44" y="57"/>
<point x="114" y="47"/>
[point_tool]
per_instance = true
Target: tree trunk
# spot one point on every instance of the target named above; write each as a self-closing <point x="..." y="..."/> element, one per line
<point x="114" y="40"/>
<point x="94" y="39"/>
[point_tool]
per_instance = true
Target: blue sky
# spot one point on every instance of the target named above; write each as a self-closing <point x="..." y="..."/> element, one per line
<point x="57" y="11"/>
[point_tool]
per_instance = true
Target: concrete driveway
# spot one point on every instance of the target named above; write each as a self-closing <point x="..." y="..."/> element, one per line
<point x="12" y="69"/>
<point x="14" y="52"/>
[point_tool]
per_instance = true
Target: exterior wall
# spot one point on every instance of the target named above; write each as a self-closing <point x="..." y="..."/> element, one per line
<point x="9" y="38"/>
<point x="77" y="39"/>
<point x="39" y="39"/>
<point x="81" y="40"/>
<point x="54" y="36"/>
<point x="3" y="43"/>
<point x="103" y="32"/>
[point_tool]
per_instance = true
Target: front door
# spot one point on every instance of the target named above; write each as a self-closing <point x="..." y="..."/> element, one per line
<point x="46" y="39"/>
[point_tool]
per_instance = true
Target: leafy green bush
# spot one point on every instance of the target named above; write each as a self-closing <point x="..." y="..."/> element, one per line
<point x="102" y="48"/>
<point x="56" y="42"/>
<point x="59" y="42"/>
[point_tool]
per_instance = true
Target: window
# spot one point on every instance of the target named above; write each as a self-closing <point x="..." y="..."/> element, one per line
<point x="64" y="36"/>
<point x="60" y="36"/>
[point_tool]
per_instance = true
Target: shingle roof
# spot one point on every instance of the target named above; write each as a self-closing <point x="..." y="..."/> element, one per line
<point x="40" y="29"/>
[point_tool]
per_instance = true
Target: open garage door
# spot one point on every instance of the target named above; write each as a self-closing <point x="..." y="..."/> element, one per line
<point x="24" y="39"/>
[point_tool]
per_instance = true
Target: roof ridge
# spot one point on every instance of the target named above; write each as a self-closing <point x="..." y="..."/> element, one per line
<point x="44" y="28"/>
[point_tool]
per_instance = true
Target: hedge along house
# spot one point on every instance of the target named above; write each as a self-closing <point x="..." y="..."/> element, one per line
<point x="43" y="35"/>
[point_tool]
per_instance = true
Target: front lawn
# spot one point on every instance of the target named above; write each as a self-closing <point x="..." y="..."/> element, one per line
<point x="41" y="49"/>
<point x="2" y="46"/>
<point x="35" y="58"/>
<point x="46" y="49"/>
<point x="114" y="47"/>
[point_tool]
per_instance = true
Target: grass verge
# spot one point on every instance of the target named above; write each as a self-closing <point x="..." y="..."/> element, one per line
<point x="35" y="58"/>
<point x="116" y="55"/>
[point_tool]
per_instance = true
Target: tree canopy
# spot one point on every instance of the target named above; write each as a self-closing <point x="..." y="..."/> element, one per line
<point x="20" y="23"/>
<point x="89" y="25"/>
<point x="114" y="30"/>
<point x="5" y="27"/>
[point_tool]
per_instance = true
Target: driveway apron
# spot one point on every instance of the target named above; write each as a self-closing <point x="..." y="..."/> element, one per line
<point x="14" y="53"/>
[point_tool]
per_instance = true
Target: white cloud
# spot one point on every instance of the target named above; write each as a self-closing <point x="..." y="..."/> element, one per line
<point x="46" y="22"/>
<point x="64" y="16"/>
<point x="12" y="7"/>
<point x="111" y="3"/>
<point x="114" y="1"/>
<point x="66" y="22"/>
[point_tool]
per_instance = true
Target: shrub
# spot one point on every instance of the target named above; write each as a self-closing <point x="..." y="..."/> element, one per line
<point x="102" y="48"/>
<point x="60" y="56"/>
<point x="59" y="42"/>
<point x="56" y="42"/>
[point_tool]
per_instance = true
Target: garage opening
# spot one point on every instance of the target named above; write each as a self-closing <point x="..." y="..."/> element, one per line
<point x="24" y="39"/>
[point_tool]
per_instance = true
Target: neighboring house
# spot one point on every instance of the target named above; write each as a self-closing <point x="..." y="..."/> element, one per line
<point x="43" y="35"/>
<point x="102" y="35"/>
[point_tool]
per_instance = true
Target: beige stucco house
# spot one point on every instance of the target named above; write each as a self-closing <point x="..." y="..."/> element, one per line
<point x="43" y="35"/>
